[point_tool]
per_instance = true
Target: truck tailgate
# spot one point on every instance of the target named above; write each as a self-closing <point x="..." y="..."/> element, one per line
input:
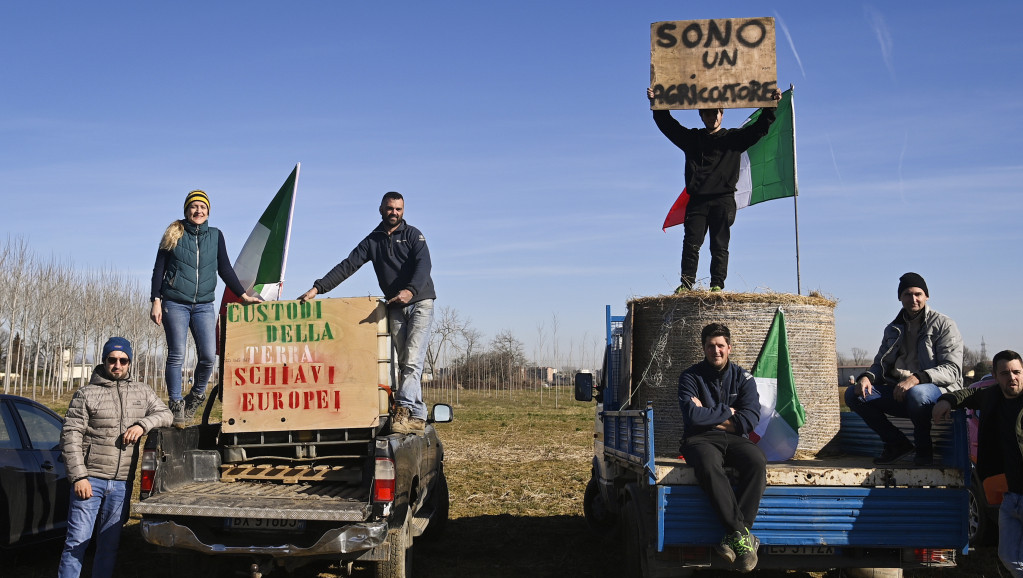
<point x="325" y="502"/>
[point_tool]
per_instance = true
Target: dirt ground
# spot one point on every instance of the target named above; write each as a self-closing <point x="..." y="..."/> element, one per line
<point x="517" y="466"/>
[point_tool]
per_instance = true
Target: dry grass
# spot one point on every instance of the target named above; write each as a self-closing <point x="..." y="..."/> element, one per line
<point x="516" y="469"/>
<point x="815" y="298"/>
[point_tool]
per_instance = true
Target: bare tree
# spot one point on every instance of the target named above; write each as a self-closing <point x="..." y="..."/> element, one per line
<point x="860" y="356"/>
<point x="15" y="266"/>
<point x="446" y="326"/>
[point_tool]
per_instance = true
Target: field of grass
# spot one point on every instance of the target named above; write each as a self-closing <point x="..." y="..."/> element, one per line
<point x="517" y="467"/>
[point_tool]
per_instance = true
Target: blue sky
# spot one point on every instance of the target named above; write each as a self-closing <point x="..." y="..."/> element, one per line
<point x="521" y="137"/>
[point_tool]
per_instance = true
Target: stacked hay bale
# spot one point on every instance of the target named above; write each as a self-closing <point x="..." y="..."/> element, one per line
<point x="666" y="340"/>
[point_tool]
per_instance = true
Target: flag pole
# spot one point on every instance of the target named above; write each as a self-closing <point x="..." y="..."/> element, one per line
<point x="795" y="181"/>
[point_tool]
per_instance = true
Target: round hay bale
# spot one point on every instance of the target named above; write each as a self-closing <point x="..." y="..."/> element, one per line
<point x="666" y="341"/>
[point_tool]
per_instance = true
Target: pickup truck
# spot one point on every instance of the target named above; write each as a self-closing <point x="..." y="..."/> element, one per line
<point x="303" y="465"/>
<point x="818" y="513"/>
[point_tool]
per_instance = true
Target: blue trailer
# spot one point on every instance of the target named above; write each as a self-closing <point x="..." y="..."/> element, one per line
<point x="827" y="512"/>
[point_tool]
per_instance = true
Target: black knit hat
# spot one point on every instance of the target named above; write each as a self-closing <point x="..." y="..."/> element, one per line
<point x="912" y="280"/>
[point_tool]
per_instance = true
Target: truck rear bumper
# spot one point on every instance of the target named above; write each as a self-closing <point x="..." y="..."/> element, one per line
<point x="349" y="539"/>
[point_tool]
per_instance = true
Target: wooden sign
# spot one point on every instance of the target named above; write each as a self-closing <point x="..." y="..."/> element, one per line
<point x="727" y="63"/>
<point x="302" y="366"/>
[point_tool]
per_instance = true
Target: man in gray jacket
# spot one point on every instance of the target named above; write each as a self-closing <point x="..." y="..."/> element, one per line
<point x="103" y="425"/>
<point x="921" y="358"/>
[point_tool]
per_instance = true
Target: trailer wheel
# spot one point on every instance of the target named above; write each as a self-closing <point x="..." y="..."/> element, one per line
<point x="441" y="505"/>
<point x="598" y="516"/>
<point x="399" y="558"/>
<point x="635" y="540"/>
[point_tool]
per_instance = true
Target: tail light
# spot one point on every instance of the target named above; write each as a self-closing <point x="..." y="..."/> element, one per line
<point x="148" y="471"/>
<point x="383" y="480"/>
<point x="931" y="556"/>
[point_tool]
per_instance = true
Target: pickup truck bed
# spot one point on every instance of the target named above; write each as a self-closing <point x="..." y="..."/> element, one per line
<point x="260" y="500"/>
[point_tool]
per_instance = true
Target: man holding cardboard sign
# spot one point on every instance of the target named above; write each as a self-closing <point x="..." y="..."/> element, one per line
<point x="709" y="64"/>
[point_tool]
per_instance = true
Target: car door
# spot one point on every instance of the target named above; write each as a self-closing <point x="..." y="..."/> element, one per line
<point x="49" y="491"/>
<point x="16" y="468"/>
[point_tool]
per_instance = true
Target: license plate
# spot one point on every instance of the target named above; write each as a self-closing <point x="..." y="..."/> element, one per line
<point x="802" y="550"/>
<point x="264" y="524"/>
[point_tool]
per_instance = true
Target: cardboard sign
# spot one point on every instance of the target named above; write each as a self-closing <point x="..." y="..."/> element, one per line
<point x="302" y="366"/>
<point x="726" y="63"/>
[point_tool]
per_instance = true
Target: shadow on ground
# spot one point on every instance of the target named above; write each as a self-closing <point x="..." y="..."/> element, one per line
<point x="495" y="546"/>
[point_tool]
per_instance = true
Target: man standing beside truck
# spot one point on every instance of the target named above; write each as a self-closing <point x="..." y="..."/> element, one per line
<point x="999" y="446"/>
<point x="920" y="358"/>
<point x="402" y="264"/>
<point x="99" y="444"/>
<point x="720" y="407"/>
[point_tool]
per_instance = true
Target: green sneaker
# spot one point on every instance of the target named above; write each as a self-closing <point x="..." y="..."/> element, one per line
<point x="682" y="290"/>
<point x="746" y="552"/>
<point x="725" y="549"/>
<point x="715" y="289"/>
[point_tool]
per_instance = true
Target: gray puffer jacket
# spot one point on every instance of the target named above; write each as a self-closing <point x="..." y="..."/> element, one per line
<point x="939" y="350"/>
<point x="98" y="415"/>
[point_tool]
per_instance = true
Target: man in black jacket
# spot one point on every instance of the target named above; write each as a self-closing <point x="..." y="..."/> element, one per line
<point x="402" y="264"/>
<point x="720" y="407"/>
<point x="999" y="446"/>
<point x="712" y="171"/>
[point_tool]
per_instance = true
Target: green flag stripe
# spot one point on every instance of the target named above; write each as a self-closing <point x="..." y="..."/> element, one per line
<point x="275" y="218"/>
<point x="774" y="361"/>
<point x="773" y="159"/>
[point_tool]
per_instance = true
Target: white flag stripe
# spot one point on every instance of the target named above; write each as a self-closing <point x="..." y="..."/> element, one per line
<point x="744" y="186"/>
<point x="777" y="438"/>
<point x="767" y="387"/>
<point x="247" y="264"/>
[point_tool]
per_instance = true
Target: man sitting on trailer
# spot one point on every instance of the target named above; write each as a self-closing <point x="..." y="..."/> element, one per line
<point x="720" y="407"/>
<point x="921" y="357"/>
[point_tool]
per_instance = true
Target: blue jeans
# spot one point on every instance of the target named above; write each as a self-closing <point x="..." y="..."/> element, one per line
<point x="107" y="509"/>
<point x="178" y="319"/>
<point x="1010" y="533"/>
<point x="916" y="406"/>
<point x="410" y="336"/>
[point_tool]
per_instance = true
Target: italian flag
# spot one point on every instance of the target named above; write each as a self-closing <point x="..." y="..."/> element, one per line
<point x="767" y="170"/>
<point x="781" y="414"/>
<point x="261" y="262"/>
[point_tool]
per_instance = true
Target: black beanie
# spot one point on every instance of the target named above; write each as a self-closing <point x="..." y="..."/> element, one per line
<point x="912" y="280"/>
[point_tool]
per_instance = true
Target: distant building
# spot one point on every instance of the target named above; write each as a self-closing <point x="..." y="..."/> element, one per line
<point x="844" y="371"/>
<point x="542" y="375"/>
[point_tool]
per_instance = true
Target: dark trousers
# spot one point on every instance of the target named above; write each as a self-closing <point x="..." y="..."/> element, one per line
<point x="716" y="215"/>
<point x="917" y="406"/>
<point x="709" y="454"/>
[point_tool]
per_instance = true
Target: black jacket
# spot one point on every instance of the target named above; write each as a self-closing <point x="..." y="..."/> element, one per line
<point x="733" y="387"/>
<point x="989" y="443"/>
<point x="401" y="260"/>
<point x="712" y="160"/>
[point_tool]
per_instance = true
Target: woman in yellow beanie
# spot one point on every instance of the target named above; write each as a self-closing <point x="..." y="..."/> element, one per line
<point x="191" y="257"/>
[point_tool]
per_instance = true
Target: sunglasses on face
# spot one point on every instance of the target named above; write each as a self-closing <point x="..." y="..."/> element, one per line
<point x="118" y="360"/>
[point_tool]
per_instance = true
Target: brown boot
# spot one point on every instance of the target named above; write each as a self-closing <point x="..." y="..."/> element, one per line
<point x="404" y="423"/>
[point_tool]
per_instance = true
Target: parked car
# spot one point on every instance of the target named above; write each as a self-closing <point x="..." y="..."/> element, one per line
<point x="34" y="488"/>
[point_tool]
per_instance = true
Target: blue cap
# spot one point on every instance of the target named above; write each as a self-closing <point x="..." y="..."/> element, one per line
<point x="117" y="344"/>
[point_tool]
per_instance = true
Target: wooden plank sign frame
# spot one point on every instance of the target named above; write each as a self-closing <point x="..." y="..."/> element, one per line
<point x="726" y="63"/>
<point x="303" y="366"/>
